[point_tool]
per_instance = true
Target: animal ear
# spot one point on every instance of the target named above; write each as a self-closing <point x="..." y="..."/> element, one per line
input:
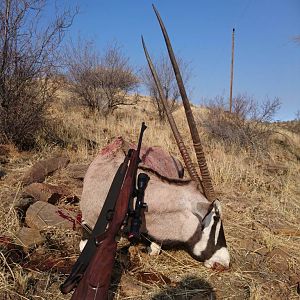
<point x="217" y="207"/>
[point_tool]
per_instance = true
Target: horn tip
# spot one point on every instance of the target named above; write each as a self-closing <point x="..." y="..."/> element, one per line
<point x="155" y="10"/>
<point x="143" y="43"/>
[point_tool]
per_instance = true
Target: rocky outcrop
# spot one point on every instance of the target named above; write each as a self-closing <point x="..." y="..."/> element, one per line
<point x="42" y="214"/>
<point x="29" y="238"/>
<point x="43" y="168"/>
<point x="49" y="193"/>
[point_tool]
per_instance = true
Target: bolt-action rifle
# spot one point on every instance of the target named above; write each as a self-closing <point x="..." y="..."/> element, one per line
<point x="92" y="271"/>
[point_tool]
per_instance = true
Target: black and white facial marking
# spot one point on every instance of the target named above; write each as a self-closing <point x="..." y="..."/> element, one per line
<point x="211" y="248"/>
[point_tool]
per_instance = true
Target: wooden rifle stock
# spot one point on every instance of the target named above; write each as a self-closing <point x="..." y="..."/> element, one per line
<point x="95" y="282"/>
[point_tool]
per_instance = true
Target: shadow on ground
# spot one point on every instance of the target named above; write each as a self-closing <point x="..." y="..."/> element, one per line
<point x="189" y="288"/>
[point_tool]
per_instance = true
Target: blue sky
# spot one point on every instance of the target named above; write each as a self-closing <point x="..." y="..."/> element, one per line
<point x="267" y="60"/>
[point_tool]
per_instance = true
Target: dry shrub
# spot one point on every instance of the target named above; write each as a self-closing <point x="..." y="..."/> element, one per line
<point x="101" y="82"/>
<point x="27" y="62"/>
<point x="248" y="126"/>
<point x="168" y="81"/>
<point x="25" y="113"/>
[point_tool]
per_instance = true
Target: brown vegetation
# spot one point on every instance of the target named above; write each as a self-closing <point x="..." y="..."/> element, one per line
<point x="167" y="78"/>
<point x="248" y="126"/>
<point x="101" y="82"/>
<point x="28" y="59"/>
<point x="260" y="196"/>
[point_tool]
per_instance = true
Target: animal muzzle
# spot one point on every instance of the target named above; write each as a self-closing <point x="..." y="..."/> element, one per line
<point x="219" y="268"/>
<point x="220" y="260"/>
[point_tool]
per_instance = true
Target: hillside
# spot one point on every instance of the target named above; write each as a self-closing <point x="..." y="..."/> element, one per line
<point x="259" y="192"/>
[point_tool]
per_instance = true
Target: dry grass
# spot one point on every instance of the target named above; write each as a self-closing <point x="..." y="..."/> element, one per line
<point x="260" y="196"/>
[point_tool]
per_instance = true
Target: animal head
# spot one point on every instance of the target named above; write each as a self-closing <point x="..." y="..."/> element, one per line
<point x="210" y="246"/>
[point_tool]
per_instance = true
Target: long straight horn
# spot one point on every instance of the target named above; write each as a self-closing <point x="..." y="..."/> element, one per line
<point x="206" y="179"/>
<point x="186" y="158"/>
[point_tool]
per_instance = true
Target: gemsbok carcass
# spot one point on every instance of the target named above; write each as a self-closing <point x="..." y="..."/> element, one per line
<point x="178" y="213"/>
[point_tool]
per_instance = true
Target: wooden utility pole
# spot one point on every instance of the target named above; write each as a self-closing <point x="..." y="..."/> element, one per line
<point x="231" y="75"/>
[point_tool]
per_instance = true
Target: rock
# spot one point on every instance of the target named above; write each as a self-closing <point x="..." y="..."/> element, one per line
<point x="77" y="171"/>
<point x="42" y="214"/>
<point x="28" y="238"/>
<point x="43" y="168"/>
<point x="22" y="205"/>
<point x="49" y="193"/>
